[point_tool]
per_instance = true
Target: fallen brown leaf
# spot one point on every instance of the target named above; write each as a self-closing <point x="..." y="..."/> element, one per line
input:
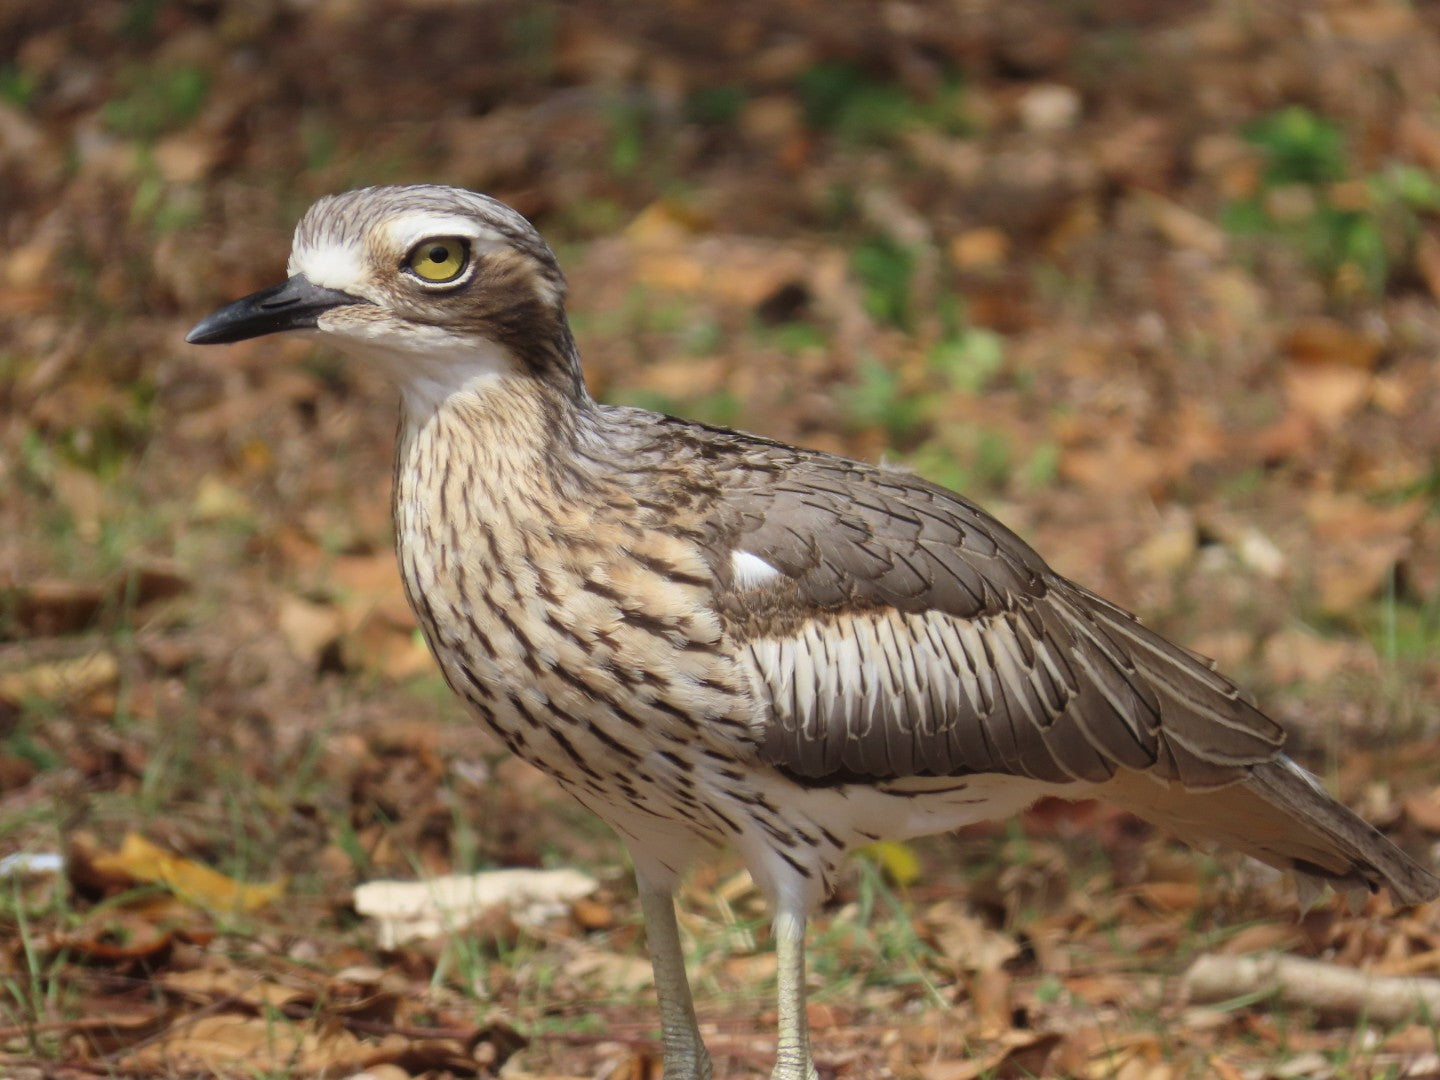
<point x="61" y="680"/>
<point x="1423" y="808"/>
<point x="48" y="607"/>
<point x="1296" y="655"/>
<point x="966" y="941"/>
<point x="1320" y="341"/>
<point x="1328" y="394"/>
<point x="308" y="628"/>
<point x="222" y="983"/>
<point x="1020" y="1054"/>
<point x="1363" y="542"/>
<point x="1264" y="937"/>
<point x="1170" y="896"/>
<point x="225" y="1043"/>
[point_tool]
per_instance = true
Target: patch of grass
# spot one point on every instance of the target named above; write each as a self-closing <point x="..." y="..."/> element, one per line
<point x="629" y="121"/>
<point x="1299" y="146"/>
<point x="873" y="942"/>
<point x="967" y="460"/>
<point x="164" y="207"/>
<point x="969" y="359"/>
<point x="585" y="1023"/>
<point x="1406" y="635"/>
<point x="530" y="34"/>
<point x="885" y="270"/>
<point x="1355" y="230"/>
<point x="658" y="330"/>
<point x="464" y="961"/>
<point x="171" y="768"/>
<point x="639" y="315"/>
<point x="586" y="217"/>
<point x="113" y="437"/>
<point x="794" y="338"/>
<point x="21" y="742"/>
<point x="17" y="86"/>
<point x="938" y="463"/>
<point x="845" y="100"/>
<point x="701" y="336"/>
<point x="33" y="991"/>
<point x="878" y="399"/>
<point x="715" y="106"/>
<point x="1405" y="630"/>
<point x="320" y="138"/>
<point x="1104" y="49"/>
<point x="721" y="407"/>
<point x="912" y="412"/>
<point x="1042" y="468"/>
<point x="155" y="100"/>
<point x="139" y="18"/>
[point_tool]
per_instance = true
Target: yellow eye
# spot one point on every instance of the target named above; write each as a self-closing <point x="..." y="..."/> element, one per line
<point x="440" y="259"/>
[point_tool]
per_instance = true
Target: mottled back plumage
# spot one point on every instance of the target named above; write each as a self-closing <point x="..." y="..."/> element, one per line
<point x="709" y="636"/>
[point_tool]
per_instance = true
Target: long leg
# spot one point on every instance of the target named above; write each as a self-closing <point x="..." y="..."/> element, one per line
<point x="792" y="1050"/>
<point x="685" y="1054"/>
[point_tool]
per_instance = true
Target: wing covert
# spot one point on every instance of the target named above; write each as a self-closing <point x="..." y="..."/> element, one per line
<point x="907" y="633"/>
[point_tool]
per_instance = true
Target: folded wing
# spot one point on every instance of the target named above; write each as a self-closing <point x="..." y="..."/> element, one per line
<point x="907" y="633"/>
<point x="892" y="629"/>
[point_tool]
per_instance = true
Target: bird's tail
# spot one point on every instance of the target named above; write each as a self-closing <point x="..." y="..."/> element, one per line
<point x="1281" y="815"/>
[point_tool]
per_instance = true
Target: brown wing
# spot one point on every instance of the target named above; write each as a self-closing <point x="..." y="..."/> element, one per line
<point x="894" y="630"/>
<point x="909" y="633"/>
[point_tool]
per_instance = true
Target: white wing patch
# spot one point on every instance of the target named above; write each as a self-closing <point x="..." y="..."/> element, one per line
<point x="750" y="571"/>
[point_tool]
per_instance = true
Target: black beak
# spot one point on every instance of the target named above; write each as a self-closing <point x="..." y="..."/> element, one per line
<point x="294" y="304"/>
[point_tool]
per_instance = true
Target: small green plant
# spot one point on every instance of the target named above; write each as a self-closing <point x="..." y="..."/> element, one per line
<point x="721" y="407"/>
<point x="17" y="86"/>
<point x="974" y="460"/>
<point x="530" y="39"/>
<point x="966" y="360"/>
<point x="885" y="270"/>
<point x="794" y="338"/>
<point x="139" y="17"/>
<point x="154" y="101"/>
<point x="31" y="994"/>
<point x="715" y="106"/>
<point x="1405" y="632"/>
<point x="628" y="136"/>
<point x="1042" y="467"/>
<point x="845" y="100"/>
<point x="321" y="139"/>
<point x="875" y="941"/>
<point x="21" y="742"/>
<point x="878" y="399"/>
<point x="969" y="359"/>
<point x="587" y="216"/>
<point x="1353" y="230"/>
<point x="1299" y="147"/>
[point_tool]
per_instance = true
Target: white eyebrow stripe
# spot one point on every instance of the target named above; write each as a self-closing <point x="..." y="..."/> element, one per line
<point x="336" y="264"/>
<point x="750" y="571"/>
<point x="407" y="230"/>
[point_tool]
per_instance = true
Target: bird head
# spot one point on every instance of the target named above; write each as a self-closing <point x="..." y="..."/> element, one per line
<point x="444" y="288"/>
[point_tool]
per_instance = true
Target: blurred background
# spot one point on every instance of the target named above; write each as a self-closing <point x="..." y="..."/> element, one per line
<point x="1153" y="280"/>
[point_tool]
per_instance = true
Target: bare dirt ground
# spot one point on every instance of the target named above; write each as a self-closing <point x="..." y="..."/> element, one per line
<point x="1156" y="282"/>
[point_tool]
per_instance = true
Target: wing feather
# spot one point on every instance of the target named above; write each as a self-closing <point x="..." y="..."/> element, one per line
<point x="908" y="633"/>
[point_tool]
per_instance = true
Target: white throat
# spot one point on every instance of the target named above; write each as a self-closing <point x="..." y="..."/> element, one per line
<point x="431" y="372"/>
<point x="470" y="368"/>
